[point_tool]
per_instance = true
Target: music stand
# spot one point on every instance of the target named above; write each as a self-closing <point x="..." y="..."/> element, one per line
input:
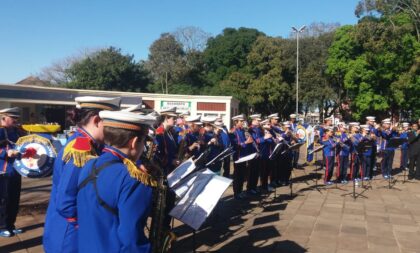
<point x="292" y="148"/>
<point x="316" y="151"/>
<point x="362" y="148"/>
<point x="200" y="200"/>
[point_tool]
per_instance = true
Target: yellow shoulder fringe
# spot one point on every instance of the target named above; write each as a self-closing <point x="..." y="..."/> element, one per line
<point x="34" y="138"/>
<point x="80" y="157"/>
<point x="138" y="174"/>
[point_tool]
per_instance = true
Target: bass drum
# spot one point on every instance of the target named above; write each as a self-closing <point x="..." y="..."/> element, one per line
<point x="37" y="156"/>
<point x="301" y="133"/>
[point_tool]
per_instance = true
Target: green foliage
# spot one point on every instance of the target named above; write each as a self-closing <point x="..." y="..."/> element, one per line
<point x="227" y="52"/>
<point x="375" y="61"/>
<point x="108" y="69"/>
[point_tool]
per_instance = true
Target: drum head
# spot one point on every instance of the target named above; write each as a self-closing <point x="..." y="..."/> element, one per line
<point x="37" y="156"/>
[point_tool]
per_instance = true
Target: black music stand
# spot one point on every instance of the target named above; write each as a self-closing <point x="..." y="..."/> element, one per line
<point x="363" y="147"/>
<point x="316" y="151"/>
<point x="291" y="148"/>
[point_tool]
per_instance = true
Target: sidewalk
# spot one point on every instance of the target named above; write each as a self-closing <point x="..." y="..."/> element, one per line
<point x="382" y="220"/>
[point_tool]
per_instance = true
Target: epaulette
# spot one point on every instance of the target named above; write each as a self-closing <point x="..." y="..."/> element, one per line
<point x="160" y="130"/>
<point x="80" y="149"/>
<point x="138" y="174"/>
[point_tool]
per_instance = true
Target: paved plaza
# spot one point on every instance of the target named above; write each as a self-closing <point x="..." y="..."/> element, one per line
<point x="314" y="219"/>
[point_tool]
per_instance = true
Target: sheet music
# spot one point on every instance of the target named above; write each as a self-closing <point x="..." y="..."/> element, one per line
<point x="180" y="172"/>
<point x="246" y="158"/>
<point x="275" y="150"/>
<point x="185" y="184"/>
<point x="200" y="200"/>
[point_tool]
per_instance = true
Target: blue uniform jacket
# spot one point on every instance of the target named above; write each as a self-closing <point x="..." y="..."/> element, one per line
<point x="241" y="148"/>
<point x="60" y="232"/>
<point x="264" y="145"/>
<point x="329" y="147"/>
<point x="167" y="147"/>
<point x="224" y="136"/>
<point x="346" y="147"/>
<point x="102" y="231"/>
<point x="191" y="138"/>
<point x="404" y="135"/>
<point x="214" y="149"/>
<point x="386" y="135"/>
<point x="6" y="163"/>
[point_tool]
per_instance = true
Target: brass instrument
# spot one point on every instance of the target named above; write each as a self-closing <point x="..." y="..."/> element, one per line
<point x="160" y="237"/>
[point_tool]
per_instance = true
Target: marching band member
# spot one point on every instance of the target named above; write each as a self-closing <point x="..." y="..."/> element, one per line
<point x="243" y="147"/>
<point x="367" y="153"/>
<point x="115" y="196"/>
<point x="329" y="152"/>
<point x="327" y="124"/>
<point x="388" y="153"/>
<point x="225" y="140"/>
<point x="192" y="136"/>
<point x="356" y="155"/>
<point x="254" y="165"/>
<point x="285" y="159"/>
<point x="211" y="141"/>
<point x="167" y="140"/>
<point x="266" y="147"/>
<point x="274" y="164"/>
<point x="404" y="146"/>
<point x="414" y="152"/>
<point x="60" y="234"/>
<point x="343" y="155"/>
<point x="294" y="127"/>
<point x="10" y="179"/>
<point x="370" y="121"/>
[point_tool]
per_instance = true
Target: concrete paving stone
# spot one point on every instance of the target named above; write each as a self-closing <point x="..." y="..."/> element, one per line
<point x="352" y="230"/>
<point x="328" y="241"/>
<point x="354" y="223"/>
<point x="373" y="248"/>
<point x="351" y="251"/>
<point x="353" y="217"/>
<point x="328" y="228"/>
<point x="353" y="211"/>
<point x="372" y="218"/>
<point x="401" y="221"/>
<point x="304" y="218"/>
<point x="406" y="228"/>
<point x="352" y="242"/>
<point x="382" y="241"/>
<point x="298" y="231"/>
<point x="320" y="250"/>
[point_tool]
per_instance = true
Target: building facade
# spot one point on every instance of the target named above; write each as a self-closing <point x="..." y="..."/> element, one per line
<point x="49" y="104"/>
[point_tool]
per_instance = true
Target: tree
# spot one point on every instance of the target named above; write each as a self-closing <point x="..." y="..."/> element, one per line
<point x="376" y="61"/>
<point x="166" y="61"/>
<point x="267" y="91"/>
<point x="108" y="69"/>
<point x="227" y="52"/>
<point x="192" y="39"/>
<point x="388" y="9"/>
<point x="56" y="74"/>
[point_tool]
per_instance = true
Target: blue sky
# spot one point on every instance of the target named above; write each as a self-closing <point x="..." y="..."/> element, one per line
<point x="36" y="33"/>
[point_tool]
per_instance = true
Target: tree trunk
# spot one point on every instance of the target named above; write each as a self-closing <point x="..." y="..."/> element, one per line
<point x="166" y="81"/>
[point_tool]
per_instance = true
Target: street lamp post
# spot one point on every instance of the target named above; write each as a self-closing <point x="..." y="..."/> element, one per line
<point x="297" y="31"/>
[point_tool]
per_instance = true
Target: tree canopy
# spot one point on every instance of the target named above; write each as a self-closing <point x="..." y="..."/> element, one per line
<point x="371" y="67"/>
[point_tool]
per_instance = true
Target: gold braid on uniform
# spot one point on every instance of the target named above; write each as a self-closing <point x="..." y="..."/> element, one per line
<point x="81" y="150"/>
<point x="138" y="174"/>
